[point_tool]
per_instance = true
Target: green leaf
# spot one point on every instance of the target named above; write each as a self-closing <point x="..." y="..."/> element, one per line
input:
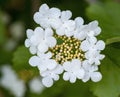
<point x="66" y="89"/>
<point x="108" y="15"/>
<point x="109" y="86"/>
<point x="20" y="58"/>
<point x="20" y="63"/>
<point x="78" y="89"/>
<point x="113" y="53"/>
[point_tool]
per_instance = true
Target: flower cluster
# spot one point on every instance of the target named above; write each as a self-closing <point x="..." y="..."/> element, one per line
<point x="62" y="45"/>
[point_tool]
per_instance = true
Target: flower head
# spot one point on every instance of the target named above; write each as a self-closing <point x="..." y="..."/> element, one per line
<point x="61" y="44"/>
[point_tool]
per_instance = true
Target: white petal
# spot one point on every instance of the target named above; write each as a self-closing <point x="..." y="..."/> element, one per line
<point x="97" y="31"/>
<point x="100" y="45"/>
<point x="55" y="77"/>
<point x="96" y="76"/>
<point x="90" y="34"/>
<point x="76" y="61"/>
<point x="60" y="31"/>
<point x="93" y="24"/>
<point x="51" y="41"/>
<point x="27" y="43"/>
<point x="36" y="17"/>
<point x="55" y="23"/>
<point x="91" y="60"/>
<point x="92" y="40"/>
<point x="81" y="35"/>
<point x="58" y="69"/>
<point x="29" y="33"/>
<point x="45" y="73"/>
<point x="42" y="68"/>
<point x="97" y="62"/>
<point x="93" y="68"/>
<point x="66" y="76"/>
<point x="86" y="65"/>
<point x="39" y="31"/>
<point x="33" y="50"/>
<point x="54" y="13"/>
<point x="85" y="45"/>
<point x="51" y="64"/>
<point x="34" y="61"/>
<point x="80" y="74"/>
<point x="66" y="15"/>
<point x="75" y="64"/>
<point x="37" y="37"/>
<point x="48" y="55"/>
<point x="69" y="34"/>
<point x="72" y="78"/>
<point x="42" y="47"/>
<point x="67" y="66"/>
<point x="48" y="32"/>
<point x="86" y="77"/>
<point x="44" y="8"/>
<point x="47" y="81"/>
<point x="79" y="21"/>
<point x="69" y="25"/>
<point x="44" y="22"/>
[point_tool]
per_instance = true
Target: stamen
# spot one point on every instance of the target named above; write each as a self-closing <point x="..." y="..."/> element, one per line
<point x="66" y="51"/>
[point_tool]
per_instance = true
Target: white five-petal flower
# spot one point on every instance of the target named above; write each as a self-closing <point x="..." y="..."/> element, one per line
<point x="73" y="70"/>
<point x="43" y="62"/>
<point x="40" y="40"/>
<point x="48" y="17"/>
<point x="92" y="44"/>
<point x="90" y="30"/>
<point x="68" y="26"/>
<point x="51" y="75"/>
<point x="91" y="72"/>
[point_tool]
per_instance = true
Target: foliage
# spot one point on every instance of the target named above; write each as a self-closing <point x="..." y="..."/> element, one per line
<point x="108" y="16"/>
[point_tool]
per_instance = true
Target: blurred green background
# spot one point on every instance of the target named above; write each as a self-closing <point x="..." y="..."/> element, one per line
<point x="17" y="15"/>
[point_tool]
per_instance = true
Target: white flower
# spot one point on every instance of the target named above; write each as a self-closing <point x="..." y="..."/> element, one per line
<point x="92" y="45"/>
<point x="91" y="72"/>
<point x="48" y="17"/>
<point x="43" y="62"/>
<point x="50" y="75"/>
<point x="78" y="27"/>
<point x="68" y="26"/>
<point x="90" y="30"/>
<point x="73" y="70"/>
<point x="10" y="81"/>
<point x="28" y="43"/>
<point x="94" y="57"/>
<point x="36" y="85"/>
<point x="40" y="40"/>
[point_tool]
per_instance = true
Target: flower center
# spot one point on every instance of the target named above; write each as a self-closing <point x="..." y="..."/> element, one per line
<point x="67" y="48"/>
